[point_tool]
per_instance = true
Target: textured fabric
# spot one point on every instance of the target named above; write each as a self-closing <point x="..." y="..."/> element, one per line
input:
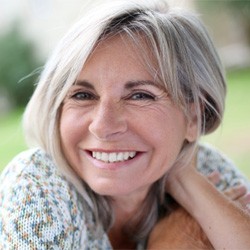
<point x="39" y="209"/>
<point x="210" y="159"/>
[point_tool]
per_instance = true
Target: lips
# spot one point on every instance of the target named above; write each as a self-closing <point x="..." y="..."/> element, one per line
<point x="112" y="157"/>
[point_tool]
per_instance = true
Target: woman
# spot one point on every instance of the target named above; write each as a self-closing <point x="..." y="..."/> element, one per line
<point x="114" y="124"/>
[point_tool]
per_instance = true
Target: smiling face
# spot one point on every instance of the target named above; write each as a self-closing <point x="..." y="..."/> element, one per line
<point x="119" y="130"/>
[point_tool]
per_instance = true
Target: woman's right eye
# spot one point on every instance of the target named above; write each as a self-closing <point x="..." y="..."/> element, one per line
<point x="83" y="96"/>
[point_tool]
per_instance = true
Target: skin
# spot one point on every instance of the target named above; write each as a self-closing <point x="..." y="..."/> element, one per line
<point x="116" y="106"/>
<point x="223" y="217"/>
<point x="183" y="231"/>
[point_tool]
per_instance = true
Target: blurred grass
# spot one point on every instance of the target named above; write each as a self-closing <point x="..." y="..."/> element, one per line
<point x="11" y="138"/>
<point x="233" y="137"/>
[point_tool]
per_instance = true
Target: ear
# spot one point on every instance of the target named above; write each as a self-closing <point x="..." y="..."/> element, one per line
<point x="192" y="125"/>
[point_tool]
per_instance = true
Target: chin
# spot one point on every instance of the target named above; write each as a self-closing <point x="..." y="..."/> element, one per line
<point x="110" y="190"/>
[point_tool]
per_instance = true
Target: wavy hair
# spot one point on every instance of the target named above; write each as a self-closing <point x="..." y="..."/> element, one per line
<point x="187" y="66"/>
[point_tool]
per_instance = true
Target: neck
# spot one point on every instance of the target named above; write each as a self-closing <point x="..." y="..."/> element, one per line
<point x="118" y="236"/>
<point x="124" y="208"/>
<point x="120" y="240"/>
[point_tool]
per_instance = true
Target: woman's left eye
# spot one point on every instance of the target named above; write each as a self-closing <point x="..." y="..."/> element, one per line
<point x="142" y="96"/>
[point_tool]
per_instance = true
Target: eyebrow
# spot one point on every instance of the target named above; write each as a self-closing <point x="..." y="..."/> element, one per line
<point x="128" y="85"/>
<point x="84" y="83"/>
<point x="133" y="84"/>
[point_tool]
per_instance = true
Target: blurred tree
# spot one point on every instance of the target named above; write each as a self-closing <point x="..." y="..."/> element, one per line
<point x="17" y="67"/>
<point x="240" y="9"/>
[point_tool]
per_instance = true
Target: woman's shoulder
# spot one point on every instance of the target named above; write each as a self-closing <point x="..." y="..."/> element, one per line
<point x="39" y="207"/>
<point x="211" y="159"/>
<point x="32" y="161"/>
<point x="32" y="168"/>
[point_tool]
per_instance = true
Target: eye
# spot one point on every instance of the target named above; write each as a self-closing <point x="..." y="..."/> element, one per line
<point x="142" y="96"/>
<point x="83" y="96"/>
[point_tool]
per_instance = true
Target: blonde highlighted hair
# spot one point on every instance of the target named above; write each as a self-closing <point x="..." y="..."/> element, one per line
<point x="187" y="66"/>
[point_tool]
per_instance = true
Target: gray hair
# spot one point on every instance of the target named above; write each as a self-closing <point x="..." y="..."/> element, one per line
<point x="187" y="66"/>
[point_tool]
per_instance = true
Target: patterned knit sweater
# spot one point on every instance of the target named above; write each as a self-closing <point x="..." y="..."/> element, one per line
<point x="40" y="209"/>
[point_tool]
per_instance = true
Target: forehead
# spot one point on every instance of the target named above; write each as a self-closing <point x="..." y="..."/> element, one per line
<point x="132" y="47"/>
<point x="119" y="56"/>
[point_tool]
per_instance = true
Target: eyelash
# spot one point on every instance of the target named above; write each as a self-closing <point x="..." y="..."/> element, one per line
<point x="141" y="96"/>
<point x="83" y="96"/>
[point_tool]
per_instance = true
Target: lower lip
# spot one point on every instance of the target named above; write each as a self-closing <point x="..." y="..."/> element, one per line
<point x="113" y="165"/>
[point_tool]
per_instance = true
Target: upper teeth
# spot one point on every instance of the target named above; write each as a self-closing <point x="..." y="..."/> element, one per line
<point x="113" y="157"/>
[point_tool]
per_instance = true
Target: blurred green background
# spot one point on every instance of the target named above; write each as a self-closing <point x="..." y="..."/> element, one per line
<point x="29" y="33"/>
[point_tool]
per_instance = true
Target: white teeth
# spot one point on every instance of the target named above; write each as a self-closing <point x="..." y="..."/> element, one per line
<point x="126" y="155"/>
<point x="97" y="155"/>
<point x="105" y="157"/>
<point x="113" y="157"/>
<point x="119" y="156"/>
<point x="132" y="154"/>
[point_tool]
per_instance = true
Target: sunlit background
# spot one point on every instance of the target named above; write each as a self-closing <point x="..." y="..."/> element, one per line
<point x="30" y="29"/>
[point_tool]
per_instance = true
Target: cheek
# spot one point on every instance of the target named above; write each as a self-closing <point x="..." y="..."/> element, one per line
<point x="167" y="136"/>
<point x="167" y="129"/>
<point x="71" y="128"/>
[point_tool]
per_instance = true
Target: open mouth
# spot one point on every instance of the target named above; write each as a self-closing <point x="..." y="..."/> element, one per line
<point x="113" y="156"/>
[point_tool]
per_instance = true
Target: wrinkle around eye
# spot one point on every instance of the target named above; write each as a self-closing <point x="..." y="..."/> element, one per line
<point x="161" y="103"/>
<point x="150" y="97"/>
<point x="73" y="102"/>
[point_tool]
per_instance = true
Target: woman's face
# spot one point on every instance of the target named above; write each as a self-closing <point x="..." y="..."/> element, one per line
<point x="119" y="130"/>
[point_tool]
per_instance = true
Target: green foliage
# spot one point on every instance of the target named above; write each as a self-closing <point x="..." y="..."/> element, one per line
<point x="17" y="62"/>
<point x="239" y="4"/>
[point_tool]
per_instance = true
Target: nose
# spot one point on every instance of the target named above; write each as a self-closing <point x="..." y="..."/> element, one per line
<point x="108" y="121"/>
